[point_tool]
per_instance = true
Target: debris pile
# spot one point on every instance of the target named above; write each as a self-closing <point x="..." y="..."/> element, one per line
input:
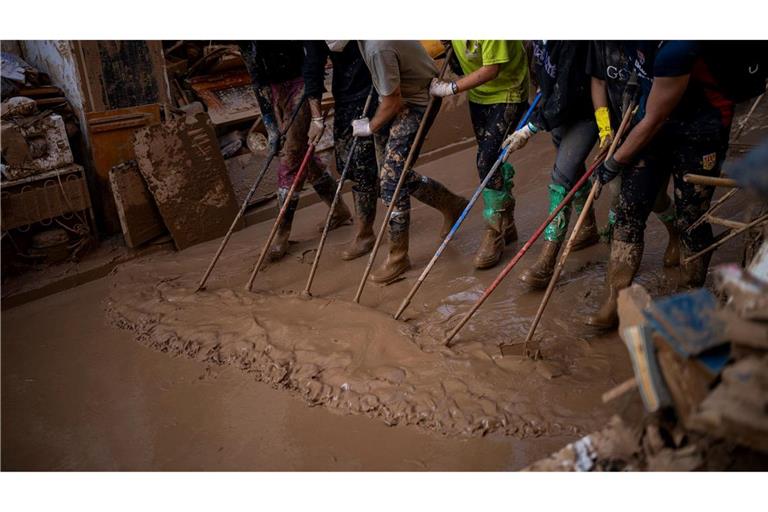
<point x="701" y="368"/>
<point x="46" y="206"/>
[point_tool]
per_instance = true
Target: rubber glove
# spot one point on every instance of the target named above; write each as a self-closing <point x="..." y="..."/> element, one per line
<point x="361" y="127"/>
<point x="609" y="169"/>
<point x="316" y="127"/>
<point x="441" y="88"/>
<point x="604" y="130"/>
<point x="519" y="138"/>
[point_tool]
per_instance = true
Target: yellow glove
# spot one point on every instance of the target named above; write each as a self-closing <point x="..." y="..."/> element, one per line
<point x="604" y="129"/>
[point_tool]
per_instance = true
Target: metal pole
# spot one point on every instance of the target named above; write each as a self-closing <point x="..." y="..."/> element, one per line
<point x="248" y="197"/>
<point x="572" y="238"/>
<point x="336" y="197"/>
<point x="406" y="170"/>
<point x="506" y="270"/>
<point x="499" y="161"/>
<point x="299" y="178"/>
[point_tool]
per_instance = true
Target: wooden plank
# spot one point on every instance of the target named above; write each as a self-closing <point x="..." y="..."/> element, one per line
<point x="139" y="217"/>
<point x="185" y="172"/>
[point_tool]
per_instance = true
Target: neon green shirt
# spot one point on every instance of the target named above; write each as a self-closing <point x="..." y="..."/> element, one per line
<point x="511" y="85"/>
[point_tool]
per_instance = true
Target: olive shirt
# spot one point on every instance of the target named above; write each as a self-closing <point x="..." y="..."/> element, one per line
<point x="511" y="84"/>
<point x="404" y="64"/>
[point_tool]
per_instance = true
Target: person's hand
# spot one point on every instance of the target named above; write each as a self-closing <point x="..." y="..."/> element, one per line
<point x="604" y="130"/>
<point x="608" y="170"/>
<point x="519" y="138"/>
<point x="273" y="132"/>
<point x="361" y="128"/>
<point x="441" y="88"/>
<point x="316" y="127"/>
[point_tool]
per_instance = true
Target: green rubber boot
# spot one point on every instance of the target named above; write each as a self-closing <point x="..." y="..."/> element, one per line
<point x="587" y="235"/>
<point x="537" y="276"/>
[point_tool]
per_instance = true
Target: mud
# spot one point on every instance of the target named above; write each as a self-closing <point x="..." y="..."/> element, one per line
<point x="356" y="359"/>
<point x="78" y="394"/>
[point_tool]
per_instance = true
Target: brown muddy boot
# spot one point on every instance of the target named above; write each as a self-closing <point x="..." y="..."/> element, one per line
<point x="588" y="234"/>
<point x="397" y="262"/>
<point x="672" y="253"/>
<point x="365" y="213"/>
<point x="622" y="267"/>
<point x="280" y="243"/>
<point x="325" y="187"/>
<point x="490" y="250"/>
<point x="694" y="273"/>
<point x="510" y="230"/>
<point x="537" y="276"/>
<point x="434" y="194"/>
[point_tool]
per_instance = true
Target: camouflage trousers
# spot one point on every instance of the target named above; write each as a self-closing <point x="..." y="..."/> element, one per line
<point x="491" y="124"/>
<point x="363" y="169"/>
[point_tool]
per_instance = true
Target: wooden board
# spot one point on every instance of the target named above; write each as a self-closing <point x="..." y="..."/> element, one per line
<point x="244" y="169"/>
<point x="111" y="139"/>
<point x="139" y="217"/>
<point x="185" y="172"/>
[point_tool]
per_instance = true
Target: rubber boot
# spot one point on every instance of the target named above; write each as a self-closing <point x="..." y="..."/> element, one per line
<point x="510" y="230"/>
<point x="280" y="243"/>
<point x="537" y="276"/>
<point x="434" y="194"/>
<point x="325" y="186"/>
<point x="497" y="204"/>
<point x="672" y="253"/>
<point x="622" y="267"/>
<point x="365" y="214"/>
<point x="397" y="262"/>
<point x="587" y="235"/>
<point x="694" y="273"/>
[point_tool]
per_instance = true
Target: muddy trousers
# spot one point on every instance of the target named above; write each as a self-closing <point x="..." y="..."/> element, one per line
<point x="574" y="142"/>
<point x="690" y="152"/>
<point x="395" y="142"/>
<point x="285" y="98"/>
<point x="491" y="124"/>
<point x="363" y="169"/>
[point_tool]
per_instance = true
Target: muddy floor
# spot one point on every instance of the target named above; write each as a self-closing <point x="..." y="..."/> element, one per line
<point x="268" y="380"/>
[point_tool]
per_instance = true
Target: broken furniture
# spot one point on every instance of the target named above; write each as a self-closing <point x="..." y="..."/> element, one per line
<point x="185" y="173"/>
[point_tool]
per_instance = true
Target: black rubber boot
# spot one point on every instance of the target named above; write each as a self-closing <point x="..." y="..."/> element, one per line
<point x="325" y="186"/>
<point x="280" y="243"/>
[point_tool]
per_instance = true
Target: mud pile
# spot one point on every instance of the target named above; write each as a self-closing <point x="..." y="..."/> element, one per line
<point x="355" y="359"/>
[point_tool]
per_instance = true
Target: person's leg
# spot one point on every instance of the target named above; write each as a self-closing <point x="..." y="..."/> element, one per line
<point x="491" y="123"/>
<point x="291" y="153"/>
<point x="639" y="187"/>
<point x="363" y="171"/>
<point x="574" y="143"/>
<point x="701" y="152"/>
<point x="664" y="209"/>
<point x="401" y="135"/>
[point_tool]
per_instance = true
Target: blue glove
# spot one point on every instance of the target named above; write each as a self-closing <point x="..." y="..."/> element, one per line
<point x="609" y="169"/>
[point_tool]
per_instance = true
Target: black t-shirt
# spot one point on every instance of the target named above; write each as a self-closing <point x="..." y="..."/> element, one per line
<point x="607" y="61"/>
<point x="351" y="78"/>
<point x="271" y="62"/>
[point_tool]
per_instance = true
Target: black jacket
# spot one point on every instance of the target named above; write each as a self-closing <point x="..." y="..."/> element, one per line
<point x="560" y="69"/>
<point x="351" y="78"/>
<point x="271" y="62"/>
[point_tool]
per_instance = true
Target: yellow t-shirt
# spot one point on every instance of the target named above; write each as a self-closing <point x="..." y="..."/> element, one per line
<point x="511" y="85"/>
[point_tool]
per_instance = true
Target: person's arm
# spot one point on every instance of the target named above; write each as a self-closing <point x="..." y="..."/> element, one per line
<point x="388" y="108"/>
<point x="602" y="115"/>
<point x="666" y="93"/>
<point x="478" y="77"/>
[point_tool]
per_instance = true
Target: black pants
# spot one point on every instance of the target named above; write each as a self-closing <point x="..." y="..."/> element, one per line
<point x="492" y="123"/>
<point x="697" y="148"/>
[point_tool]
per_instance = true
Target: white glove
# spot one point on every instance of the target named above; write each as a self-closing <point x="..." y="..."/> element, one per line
<point x="361" y="128"/>
<point x="518" y="139"/>
<point x="440" y="88"/>
<point x="316" y="127"/>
